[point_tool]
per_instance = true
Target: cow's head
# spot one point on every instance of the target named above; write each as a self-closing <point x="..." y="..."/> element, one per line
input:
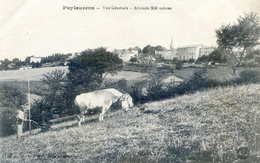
<point x="127" y="101"/>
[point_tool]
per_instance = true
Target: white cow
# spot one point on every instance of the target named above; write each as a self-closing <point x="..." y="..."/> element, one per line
<point x="101" y="98"/>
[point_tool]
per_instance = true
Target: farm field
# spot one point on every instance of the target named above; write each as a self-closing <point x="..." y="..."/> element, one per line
<point x="219" y="74"/>
<point x="36" y="74"/>
<point x="33" y="74"/>
<point x="207" y="126"/>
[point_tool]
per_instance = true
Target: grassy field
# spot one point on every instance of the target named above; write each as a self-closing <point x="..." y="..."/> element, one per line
<point x="20" y="78"/>
<point x="37" y="74"/>
<point x="207" y="126"/>
<point x="32" y="74"/>
<point x="220" y="74"/>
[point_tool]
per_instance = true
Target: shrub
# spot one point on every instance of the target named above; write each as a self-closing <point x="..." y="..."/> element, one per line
<point x="136" y="92"/>
<point x="251" y="64"/>
<point x="120" y="85"/>
<point x="198" y="80"/>
<point x="214" y="83"/>
<point x="155" y="88"/>
<point x="11" y="96"/>
<point x="178" y="65"/>
<point x="7" y="121"/>
<point x="155" y="92"/>
<point x="191" y="60"/>
<point x="41" y="112"/>
<point x="154" y="85"/>
<point x="36" y="87"/>
<point x="134" y="59"/>
<point x="248" y="76"/>
<point x="203" y="59"/>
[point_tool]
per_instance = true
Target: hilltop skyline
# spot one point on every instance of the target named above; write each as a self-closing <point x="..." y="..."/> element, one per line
<point x="42" y="28"/>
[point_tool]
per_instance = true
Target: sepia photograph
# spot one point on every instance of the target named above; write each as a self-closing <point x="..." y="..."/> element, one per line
<point x="148" y="81"/>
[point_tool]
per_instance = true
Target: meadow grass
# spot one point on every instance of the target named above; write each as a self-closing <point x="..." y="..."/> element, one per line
<point x="220" y="74"/>
<point x="207" y="126"/>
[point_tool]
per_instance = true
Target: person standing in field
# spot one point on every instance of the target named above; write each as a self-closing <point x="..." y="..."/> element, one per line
<point x="20" y="117"/>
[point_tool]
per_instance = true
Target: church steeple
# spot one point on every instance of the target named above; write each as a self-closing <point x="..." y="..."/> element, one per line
<point x="171" y="45"/>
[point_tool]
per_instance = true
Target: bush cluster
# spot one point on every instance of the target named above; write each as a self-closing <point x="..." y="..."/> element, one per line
<point x="7" y="121"/>
<point x="11" y="99"/>
<point x="198" y="81"/>
<point x="248" y="76"/>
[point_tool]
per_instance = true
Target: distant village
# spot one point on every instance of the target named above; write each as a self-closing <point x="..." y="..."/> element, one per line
<point x="132" y="55"/>
<point x="181" y="53"/>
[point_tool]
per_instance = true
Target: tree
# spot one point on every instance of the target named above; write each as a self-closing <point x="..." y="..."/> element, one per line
<point x="240" y="36"/>
<point x="134" y="59"/>
<point x="203" y="59"/>
<point x="217" y="56"/>
<point x="177" y="62"/>
<point x="154" y="84"/>
<point x="139" y="49"/>
<point x="17" y="63"/>
<point x="55" y="81"/>
<point x="5" y="63"/>
<point x="93" y="66"/>
<point x="57" y="57"/>
<point x="250" y="55"/>
<point x="159" y="48"/>
<point x="11" y="96"/>
<point x="11" y="99"/>
<point x="33" y="64"/>
<point x="52" y="102"/>
<point x="27" y="61"/>
<point x="7" y="121"/>
<point x="148" y="50"/>
<point x="88" y="70"/>
<point x="41" y="113"/>
<point x="36" y="65"/>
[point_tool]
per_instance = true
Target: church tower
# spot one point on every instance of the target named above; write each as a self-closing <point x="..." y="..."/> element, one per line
<point x="171" y="45"/>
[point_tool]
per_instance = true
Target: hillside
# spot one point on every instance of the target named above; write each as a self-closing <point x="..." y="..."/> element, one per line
<point x="208" y="126"/>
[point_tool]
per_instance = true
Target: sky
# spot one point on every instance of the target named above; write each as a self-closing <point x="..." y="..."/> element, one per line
<point x="44" y="27"/>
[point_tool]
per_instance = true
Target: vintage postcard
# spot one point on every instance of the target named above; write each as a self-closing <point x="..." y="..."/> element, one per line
<point x="130" y="81"/>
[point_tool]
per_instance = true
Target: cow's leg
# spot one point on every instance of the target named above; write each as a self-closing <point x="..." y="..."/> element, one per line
<point x="101" y="116"/>
<point x="79" y="122"/>
<point x="80" y="119"/>
<point x="124" y="105"/>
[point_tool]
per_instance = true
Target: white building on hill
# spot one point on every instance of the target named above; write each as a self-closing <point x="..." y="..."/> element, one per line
<point x="134" y="50"/>
<point x="206" y="50"/>
<point x="168" y="54"/>
<point x="35" y="59"/>
<point x="188" y="52"/>
<point x="184" y="53"/>
<point x="124" y="54"/>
